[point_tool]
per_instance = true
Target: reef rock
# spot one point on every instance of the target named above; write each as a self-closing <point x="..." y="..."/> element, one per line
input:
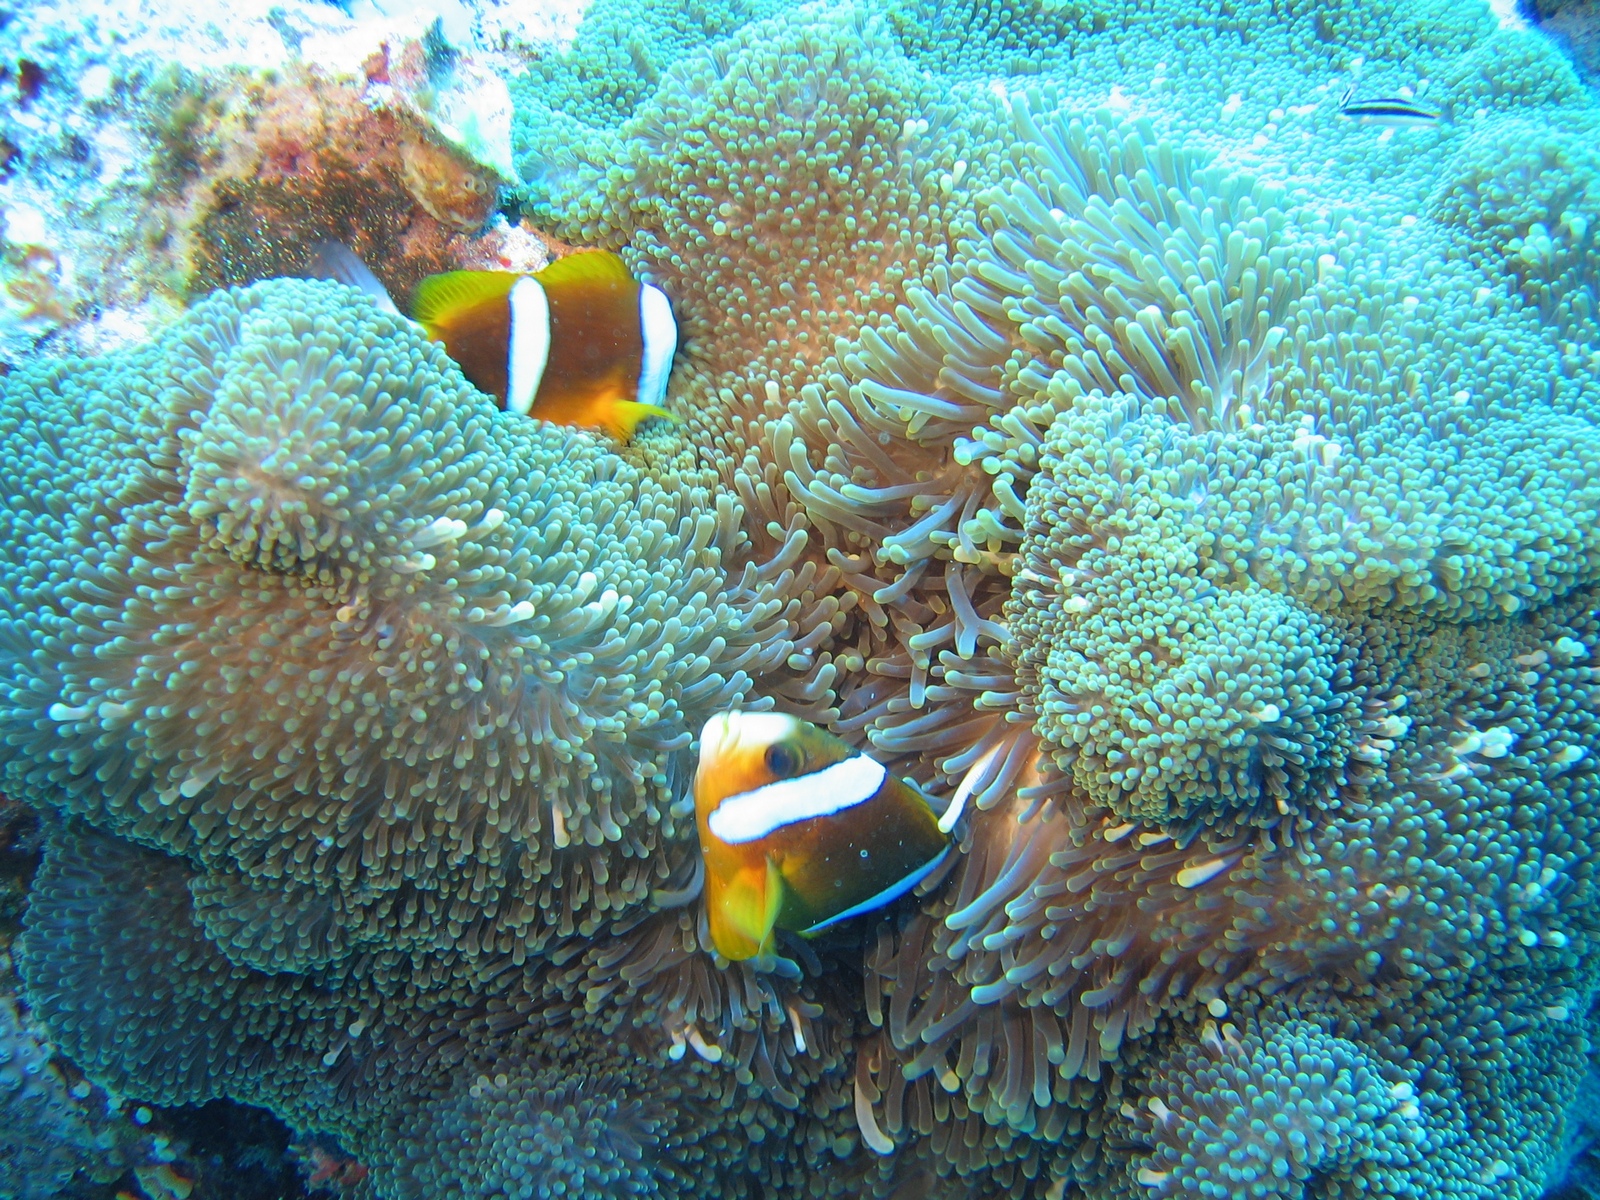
<point x="149" y="152"/>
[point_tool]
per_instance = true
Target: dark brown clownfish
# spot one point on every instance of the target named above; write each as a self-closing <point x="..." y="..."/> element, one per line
<point x="581" y="342"/>
<point x="800" y="831"/>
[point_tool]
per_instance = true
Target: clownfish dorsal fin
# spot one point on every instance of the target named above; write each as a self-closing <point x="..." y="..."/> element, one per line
<point x="585" y="266"/>
<point x="440" y="295"/>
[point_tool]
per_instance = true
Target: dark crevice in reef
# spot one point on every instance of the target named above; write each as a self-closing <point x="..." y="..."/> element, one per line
<point x="238" y="1152"/>
<point x="1575" y="27"/>
<point x="21" y="844"/>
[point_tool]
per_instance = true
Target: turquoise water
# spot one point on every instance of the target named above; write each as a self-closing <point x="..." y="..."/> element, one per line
<point x="1164" y="434"/>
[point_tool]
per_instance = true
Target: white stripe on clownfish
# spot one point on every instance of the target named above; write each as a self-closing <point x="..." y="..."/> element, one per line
<point x="753" y="815"/>
<point x="530" y="344"/>
<point x="660" y="334"/>
<point x="766" y="727"/>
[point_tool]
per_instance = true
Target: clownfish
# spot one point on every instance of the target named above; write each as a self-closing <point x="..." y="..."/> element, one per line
<point x="581" y="342"/>
<point x="801" y="831"/>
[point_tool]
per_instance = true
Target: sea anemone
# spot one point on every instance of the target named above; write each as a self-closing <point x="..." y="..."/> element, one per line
<point x="1221" y="556"/>
<point x="360" y="650"/>
<point x="1266" y="1110"/>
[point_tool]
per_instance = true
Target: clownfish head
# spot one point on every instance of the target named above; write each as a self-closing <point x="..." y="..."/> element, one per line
<point x="740" y="752"/>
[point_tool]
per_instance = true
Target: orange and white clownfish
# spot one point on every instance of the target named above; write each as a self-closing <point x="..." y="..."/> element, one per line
<point x="581" y="342"/>
<point x="800" y="831"/>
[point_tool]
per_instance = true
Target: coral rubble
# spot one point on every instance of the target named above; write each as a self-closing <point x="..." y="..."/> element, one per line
<point x="1195" y="488"/>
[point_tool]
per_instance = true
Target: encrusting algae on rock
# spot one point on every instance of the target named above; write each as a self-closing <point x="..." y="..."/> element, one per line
<point x="1220" y="552"/>
<point x="302" y="157"/>
<point x="151" y="157"/>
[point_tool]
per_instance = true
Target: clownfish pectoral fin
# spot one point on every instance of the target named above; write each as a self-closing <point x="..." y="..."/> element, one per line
<point x="743" y="912"/>
<point x="336" y="261"/>
<point x="625" y="416"/>
<point x="440" y="296"/>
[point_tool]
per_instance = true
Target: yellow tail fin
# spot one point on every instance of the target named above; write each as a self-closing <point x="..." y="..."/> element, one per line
<point x="626" y="415"/>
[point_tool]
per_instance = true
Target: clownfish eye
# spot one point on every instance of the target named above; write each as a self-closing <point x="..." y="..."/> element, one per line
<point x="782" y="761"/>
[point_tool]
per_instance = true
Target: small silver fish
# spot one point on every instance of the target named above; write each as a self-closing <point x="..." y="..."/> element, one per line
<point x="1393" y="111"/>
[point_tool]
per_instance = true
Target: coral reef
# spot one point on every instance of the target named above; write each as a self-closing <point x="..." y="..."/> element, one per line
<point x="151" y="153"/>
<point x="1194" y="488"/>
<point x="1574" y="1172"/>
<point x="404" y="162"/>
<point x="285" y="163"/>
<point x="47" y="1146"/>
<point x="1575" y="26"/>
